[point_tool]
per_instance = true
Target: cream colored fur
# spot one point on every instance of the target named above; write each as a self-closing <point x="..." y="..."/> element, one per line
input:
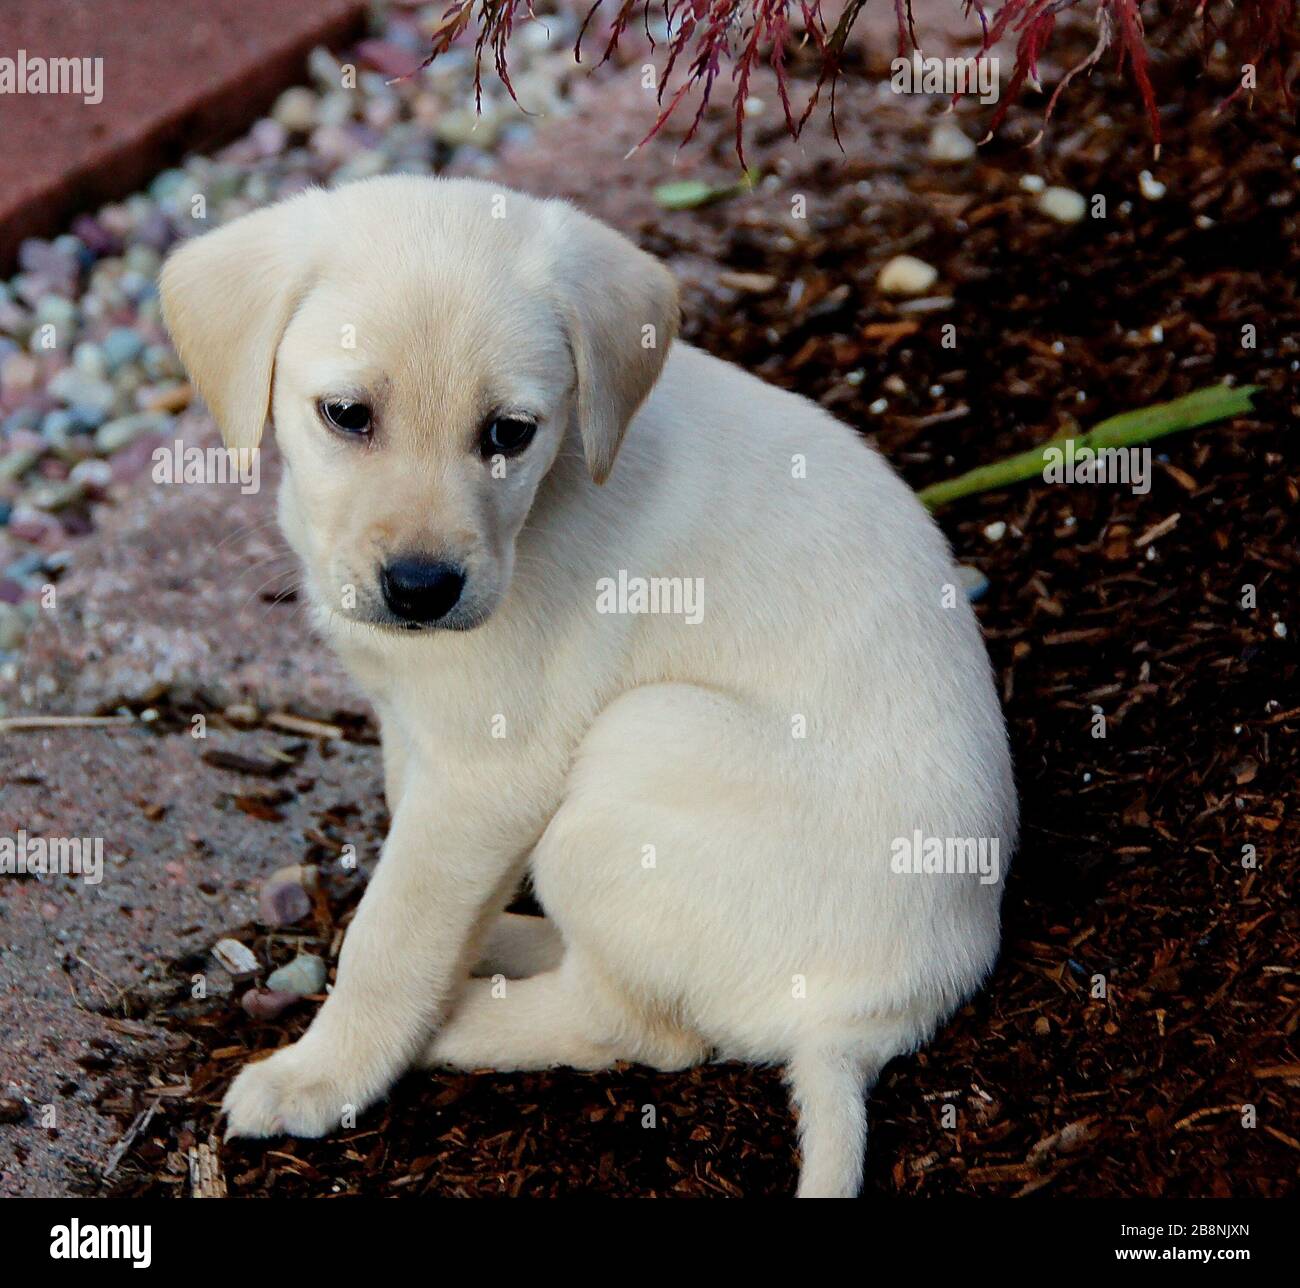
<point x="706" y="810"/>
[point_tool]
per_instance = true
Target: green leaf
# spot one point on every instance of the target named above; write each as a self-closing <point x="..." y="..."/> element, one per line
<point x="1128" y="429"/>
<point x="686" y="194"/>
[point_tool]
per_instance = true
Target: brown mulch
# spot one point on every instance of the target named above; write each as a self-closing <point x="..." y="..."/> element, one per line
<point x="1149" y="986"/>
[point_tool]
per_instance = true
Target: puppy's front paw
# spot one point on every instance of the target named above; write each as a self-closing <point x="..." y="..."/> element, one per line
<point x="292" y="1093"/>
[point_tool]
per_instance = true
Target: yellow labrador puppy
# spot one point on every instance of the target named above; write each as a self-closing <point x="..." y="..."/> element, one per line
<point x="675" y="642"/>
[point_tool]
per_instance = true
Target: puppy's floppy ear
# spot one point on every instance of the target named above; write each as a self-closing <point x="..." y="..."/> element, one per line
<point x="227" y="297"/>
<point x="620" y="311"/>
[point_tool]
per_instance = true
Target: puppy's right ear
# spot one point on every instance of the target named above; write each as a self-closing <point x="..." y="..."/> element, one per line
<point x="227" y="298"/>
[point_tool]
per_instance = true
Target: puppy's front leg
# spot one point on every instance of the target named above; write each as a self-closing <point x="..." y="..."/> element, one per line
<point x="397" y="756"/>
<point x="403" y="956"/>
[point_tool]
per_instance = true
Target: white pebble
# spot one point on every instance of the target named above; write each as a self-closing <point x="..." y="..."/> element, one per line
<point x="995" y="531"/>
<point x="1063" y="204"/>
<point x="950" y="145"/>
<point x="906" y="275"/>
<point x="879" y="407"/>
<point x="92" y="473"/>
<point x="1279" y="629"/>
<point x="1151" y="187"/>
<point x="1032" y="183"/>
<point x="235" y="957"/>
<point x="295" y="110"/>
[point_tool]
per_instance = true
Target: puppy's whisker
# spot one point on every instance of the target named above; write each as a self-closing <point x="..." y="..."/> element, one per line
<point x="279" y="595"/>
<point x="257" y="564"/>
<point x="245" y="531"/>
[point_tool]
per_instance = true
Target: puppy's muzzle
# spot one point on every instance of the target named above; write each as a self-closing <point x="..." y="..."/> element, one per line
<point x="420" y="591"/>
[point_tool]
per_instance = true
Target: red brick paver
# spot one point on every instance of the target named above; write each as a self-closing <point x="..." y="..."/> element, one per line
<point x="176" y="77"/>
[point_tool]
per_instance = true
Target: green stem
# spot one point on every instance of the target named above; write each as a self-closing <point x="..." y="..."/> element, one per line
<point x="1128" y="429"/>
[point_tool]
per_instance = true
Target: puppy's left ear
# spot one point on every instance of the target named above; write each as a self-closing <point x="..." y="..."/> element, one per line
<point x="621" y="314"/>
<point x="227" y="297"/>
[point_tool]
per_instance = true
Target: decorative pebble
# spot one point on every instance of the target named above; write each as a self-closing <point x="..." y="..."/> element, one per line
<point x="55" y="496"/>
<point x="55" y="311"/>
<point x="94" y="236"/>
<point x="266" y="1003"/>
<point x="995" y="531"/>
<point x="19" y="373"/>
<point x="269" y="136"/>
<point x="237" y="959"/>
<point x="120" y="346"/>
<point x="115" y="434"/>
<point x="88" y="358"/>
<point x="1150" y="187"/>
<point x="1063" y="204"/>
<point x="302" y="977"/>
<point x="159" y="362"/>
<point x="295" y="110"/>
<point x="71" y="386"/>
<point x="950" y="145"/>
<point x="28" y="524"/>
<point x="17" y="461"/>
<point x="92" y="473"/>
<point x="285" y="897"/>
<point x="906" y="275"/>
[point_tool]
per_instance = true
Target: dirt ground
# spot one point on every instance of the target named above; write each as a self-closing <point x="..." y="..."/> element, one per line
<point x="1183" y="1076"/>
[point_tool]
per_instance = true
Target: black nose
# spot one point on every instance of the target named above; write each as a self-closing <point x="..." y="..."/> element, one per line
<point x="420" y="591"/>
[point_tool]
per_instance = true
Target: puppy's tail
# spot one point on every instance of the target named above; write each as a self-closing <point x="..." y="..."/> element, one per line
<point x="829" y="1087"/>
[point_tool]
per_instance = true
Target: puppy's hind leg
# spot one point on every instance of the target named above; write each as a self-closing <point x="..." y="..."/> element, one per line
<point x="535" y="1023"/>
<point x="518" y="946"/>
<point x="557" y="1018"/>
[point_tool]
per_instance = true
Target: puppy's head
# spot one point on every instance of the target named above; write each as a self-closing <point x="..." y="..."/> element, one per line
<point x="423" y="348"/>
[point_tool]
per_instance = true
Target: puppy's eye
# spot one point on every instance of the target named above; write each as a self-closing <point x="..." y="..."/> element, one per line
<point x="345" y="415"/>
<point x="507" y="436"/>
